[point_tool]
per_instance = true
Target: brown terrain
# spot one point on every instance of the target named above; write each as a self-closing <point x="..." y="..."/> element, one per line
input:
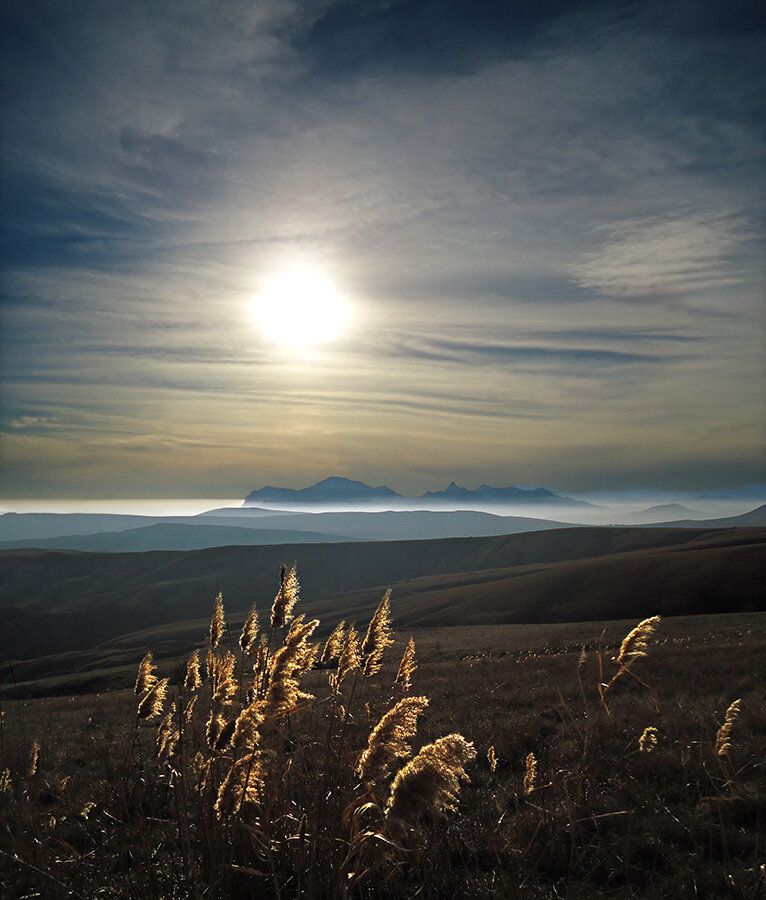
<point x="596" y="760"/>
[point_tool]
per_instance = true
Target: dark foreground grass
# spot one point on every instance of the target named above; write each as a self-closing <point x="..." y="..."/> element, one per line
<point x="100" y="816"/>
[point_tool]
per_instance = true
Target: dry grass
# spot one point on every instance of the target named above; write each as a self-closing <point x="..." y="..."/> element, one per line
<point x="322" y="782"/>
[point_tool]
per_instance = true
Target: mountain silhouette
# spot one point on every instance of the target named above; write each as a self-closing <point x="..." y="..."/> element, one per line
<point x="335" y="490"/>
<point x="330" y="490"/>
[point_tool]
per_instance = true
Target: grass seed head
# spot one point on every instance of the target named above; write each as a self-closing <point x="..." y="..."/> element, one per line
<point x="378" y="637"/>
<point x="242" y="785"/>
<point x="635" y="643"/>
<point x="146" y="678"/>
<point x="216" y="622"/>
<point x="167" y="734"/>
<point x="388" y="740"/>
<point x="722" y="741"/>
<point x="333" y="644"/>
<point x="260" y="658"/>
<point x="193" y="680"/>
<point x="153" y="701"/>
<point x="287" y="597"/>
<point x="246" y="732"/>
<point x="431" y="781"/>
<point x="34" y="759"/>
<point x="225" y="687"/>
<point x="407" y="667"/>
<point x="189" y="709"/>
<point x="87" y="810"/>
<point x="249" y="636"/>
<point x="648" y="740"/>
<point x="348" y="658"/>
<point x="530" y="775"/>
<point x="287" y="666"/>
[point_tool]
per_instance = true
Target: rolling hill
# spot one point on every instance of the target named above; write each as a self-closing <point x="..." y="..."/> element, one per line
<point x="225" y="527"/>
<point x="55" y="601"/>
<point x="173" y="536"/>
<point x="753" y="518"/>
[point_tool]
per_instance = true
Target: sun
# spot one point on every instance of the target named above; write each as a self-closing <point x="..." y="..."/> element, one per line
<point x="301" y="308"/>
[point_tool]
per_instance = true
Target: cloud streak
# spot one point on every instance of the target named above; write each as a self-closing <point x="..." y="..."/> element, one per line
<point x="675" y="256"/>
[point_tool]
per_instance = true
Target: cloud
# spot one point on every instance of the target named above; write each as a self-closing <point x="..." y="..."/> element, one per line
<point x="558" y="357"/>
<point x="32" y="422"/>
<point x="676" y="255"/>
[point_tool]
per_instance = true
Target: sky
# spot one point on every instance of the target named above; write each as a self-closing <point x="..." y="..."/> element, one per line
<point x="544" y="224"/>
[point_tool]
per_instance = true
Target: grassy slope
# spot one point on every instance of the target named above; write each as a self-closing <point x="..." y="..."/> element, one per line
<point x="713" y="572"/>
<point x="62" y="581"/>
<point x="605" y="820"/>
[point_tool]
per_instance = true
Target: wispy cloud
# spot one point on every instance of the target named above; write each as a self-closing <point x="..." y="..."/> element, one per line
<point x="32" y="422"/>
<point x="678" y="255"/>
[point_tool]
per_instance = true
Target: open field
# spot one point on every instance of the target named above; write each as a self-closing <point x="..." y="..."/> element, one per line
<point x="602" y="818"/>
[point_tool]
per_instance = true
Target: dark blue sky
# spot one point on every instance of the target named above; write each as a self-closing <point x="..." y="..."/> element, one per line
<point x="545" y="223"/>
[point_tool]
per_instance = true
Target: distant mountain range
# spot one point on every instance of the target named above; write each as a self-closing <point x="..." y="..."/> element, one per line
<point x="342" y="491"/>
<point x="331" y="490"/>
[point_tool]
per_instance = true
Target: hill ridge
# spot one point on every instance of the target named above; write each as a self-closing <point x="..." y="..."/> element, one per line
<point x="53" y="601"/>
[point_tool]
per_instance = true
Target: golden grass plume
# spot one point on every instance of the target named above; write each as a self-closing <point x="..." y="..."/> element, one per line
<point x="333" y="644"/>
<point x="225" y="686"/>
<point x="287" y="596"/>
<point x="388" y="740"/>
<point x="635" y="643"/>
<point x="217" y="622"/>
<point x="189" y="709"/>
<point x="378" y="637"/>
<point x="407" y="667"/>
<point x="167" y="734"/>
<point x="249" y="721"/>
<point x="648" y="740"/>
<point x="249" y="636"/>
<point x="260" y="656"/>
<point x="146" y="678"/>
<point x="34" y="759"/>
<point x="87" y="810"/>
<point x="722" y="740"/>
<point x="153" y="701"/>
<point x="431" y="781"/>
<point x="193" y="680"/>
<point x="287" y="665"/>
<point x="348" y="659"/>
<point x="530" y="774"/>
<point x="242" y="785"/>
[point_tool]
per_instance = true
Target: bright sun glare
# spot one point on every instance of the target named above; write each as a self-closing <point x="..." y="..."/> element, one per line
<point x="301" y="308"/>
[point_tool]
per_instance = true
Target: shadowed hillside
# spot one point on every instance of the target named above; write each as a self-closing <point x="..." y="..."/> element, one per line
<point x="174" y="536"/>
<point x="228" y="527"/>
<point x="53" y="602"/>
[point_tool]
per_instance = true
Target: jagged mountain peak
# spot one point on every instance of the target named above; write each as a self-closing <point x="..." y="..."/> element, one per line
<point x="336" y="489"/>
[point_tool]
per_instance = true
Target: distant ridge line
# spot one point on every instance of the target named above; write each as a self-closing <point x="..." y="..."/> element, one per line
<point x="338" y="490"/>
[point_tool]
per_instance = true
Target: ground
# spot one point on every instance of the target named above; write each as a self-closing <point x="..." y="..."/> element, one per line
<point x="603" y="819"/>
